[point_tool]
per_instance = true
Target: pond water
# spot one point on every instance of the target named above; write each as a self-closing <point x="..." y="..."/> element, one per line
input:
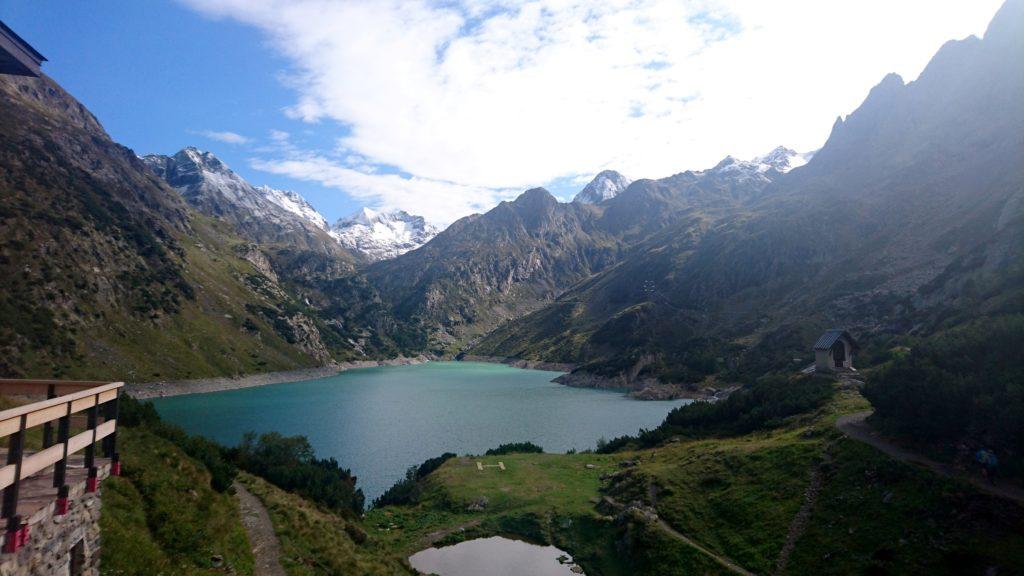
<point x="380" y="421"/>
<point x="495" y="556"/>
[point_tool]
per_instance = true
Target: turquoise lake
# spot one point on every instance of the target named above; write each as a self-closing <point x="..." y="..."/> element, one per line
<point x="379" y="421"/>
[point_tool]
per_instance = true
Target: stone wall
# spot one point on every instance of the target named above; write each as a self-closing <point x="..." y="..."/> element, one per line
<point x="60" y="545"/>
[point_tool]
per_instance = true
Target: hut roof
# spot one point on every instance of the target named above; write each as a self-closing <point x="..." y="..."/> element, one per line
<point x="830" y="337"/>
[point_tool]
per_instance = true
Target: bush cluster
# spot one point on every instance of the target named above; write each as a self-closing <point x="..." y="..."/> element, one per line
<point x="764" y="405"/>
<point x="290" y="463"/>
<point x="515" y="448"/>
<point x="286" y="461"/>
<point x="964" y="386"/>
<point x="408" y="489"/>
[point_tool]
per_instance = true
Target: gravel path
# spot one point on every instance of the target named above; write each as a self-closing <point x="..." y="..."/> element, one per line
<point x="803" y="516"/>
<point x="262" y="539"/>
<point x="854" y="426"/>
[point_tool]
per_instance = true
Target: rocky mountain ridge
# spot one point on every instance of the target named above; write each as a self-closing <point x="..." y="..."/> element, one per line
<point x="108" y="273"/>
<point x="262" y="214"/>
<point x="908" y="218"/>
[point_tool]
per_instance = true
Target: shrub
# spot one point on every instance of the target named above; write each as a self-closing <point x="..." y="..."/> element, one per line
<point x="289" y="463"/>
<point x="135" y="414"/>
<point x="407" y="490"/>
<point x="515" y="448"/>
<point x="764" y="405"/>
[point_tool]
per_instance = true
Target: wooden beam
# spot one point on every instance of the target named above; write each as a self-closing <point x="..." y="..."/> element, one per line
<point x="81" y="400"/>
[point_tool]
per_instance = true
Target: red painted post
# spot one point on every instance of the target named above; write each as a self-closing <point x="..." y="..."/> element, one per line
<point x="13" y="536"/>
<point x="63" y="504"/>
<point x="92" y="483"/>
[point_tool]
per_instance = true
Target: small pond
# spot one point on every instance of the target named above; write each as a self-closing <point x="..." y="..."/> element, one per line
<point x="495" y="556"/>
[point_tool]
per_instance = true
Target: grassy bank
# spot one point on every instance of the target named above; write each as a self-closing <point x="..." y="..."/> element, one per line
<point x="167" y="516"/>
<point x="315" y="542"/>
<point x="162" y="516"/>
<point x="734" y="495"/>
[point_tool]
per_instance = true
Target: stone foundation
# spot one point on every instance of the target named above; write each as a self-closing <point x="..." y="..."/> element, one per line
<point x="60" y="545"/>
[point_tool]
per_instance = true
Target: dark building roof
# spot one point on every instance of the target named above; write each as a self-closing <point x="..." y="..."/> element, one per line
<point x="830" y="337"/>
<point x="17" y="56"/>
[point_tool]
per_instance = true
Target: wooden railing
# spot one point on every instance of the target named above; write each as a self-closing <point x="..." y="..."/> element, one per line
<point x="64" y="399"/>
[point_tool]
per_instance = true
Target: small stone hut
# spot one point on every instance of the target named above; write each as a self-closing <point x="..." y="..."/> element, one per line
<point x="835" y="350"/>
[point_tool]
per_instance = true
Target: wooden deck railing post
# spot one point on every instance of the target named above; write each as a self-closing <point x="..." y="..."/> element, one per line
<point x="90" y="450"/>
<point x="9" y="511"/>
<point x="51" y="392"/>
<point x="63" y="434"/>
<point x="110" y="442"/>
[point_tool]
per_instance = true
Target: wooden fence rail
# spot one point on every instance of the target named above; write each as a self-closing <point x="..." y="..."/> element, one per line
<point x="63" y="400"/>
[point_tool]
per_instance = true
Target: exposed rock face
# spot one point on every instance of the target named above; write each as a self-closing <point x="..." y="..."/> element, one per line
<point x="485" y="269"/>
<point x="382" y="235"/>
<point x="252" y="254"/>
<point x="261" y="213"/>
<point x="605" y="186"/>
<point x="303" y="333"/>
<point x="107" y="272"/>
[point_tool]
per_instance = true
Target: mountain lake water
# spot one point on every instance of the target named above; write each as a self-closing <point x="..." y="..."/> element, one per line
<point x="380" y="421"/>
<point x="494" y="556"/>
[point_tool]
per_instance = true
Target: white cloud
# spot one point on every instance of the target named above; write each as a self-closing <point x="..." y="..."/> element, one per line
<point x="223" y="136"/>
<point x="435" y="200"/>
<point x="499" y="94"/>
<point x="279" y="135"/>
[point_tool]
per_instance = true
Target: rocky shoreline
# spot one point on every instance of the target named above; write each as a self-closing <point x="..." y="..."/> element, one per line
<point x="642" y="389"/>
<point x="161" y="389"/>
<point x="519" y="363"/>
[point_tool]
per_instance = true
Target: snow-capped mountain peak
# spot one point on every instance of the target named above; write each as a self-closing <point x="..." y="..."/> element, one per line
<point x="782" y="159"/>
<point x="606" y="185"/>
<point x="294" y="203"/>
<point x="382" y="235"/>
<point x="365" y="216"/>
<point x="263" y="213"/>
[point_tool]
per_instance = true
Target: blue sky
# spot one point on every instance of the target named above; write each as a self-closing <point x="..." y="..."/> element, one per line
<point x="157" y="74"/>
<point x="446" y="107"/>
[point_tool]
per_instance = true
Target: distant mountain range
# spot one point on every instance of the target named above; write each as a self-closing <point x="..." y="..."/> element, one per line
<point x="909" y="219"/>
<point x="271" y="216"/>
<point x="382" y="235"/>
<point x="260" y="213"/>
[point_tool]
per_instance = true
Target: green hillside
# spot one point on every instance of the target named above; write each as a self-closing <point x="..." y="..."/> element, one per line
<point x="106" y="273"/>
<point x="908" y="220"/>
<point x="738" y="497"/>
